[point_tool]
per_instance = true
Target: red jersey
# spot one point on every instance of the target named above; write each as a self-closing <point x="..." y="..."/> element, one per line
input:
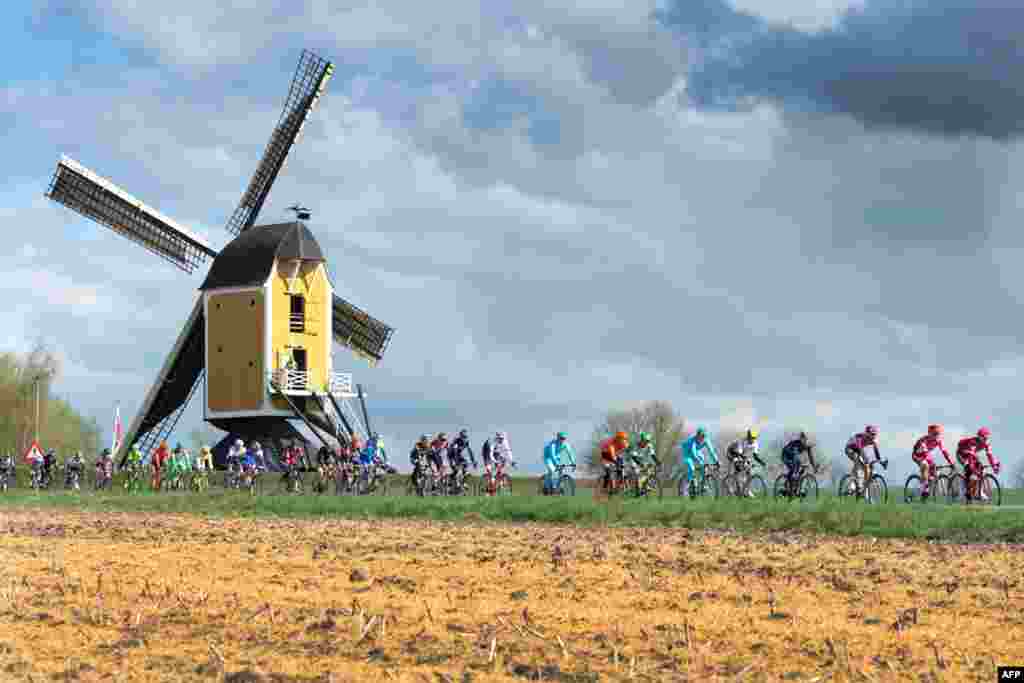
<point x="926" y="444"/>
<point x="160" y="457"/>
<point x="968" y="449"/>
<point x="610" y="449"/>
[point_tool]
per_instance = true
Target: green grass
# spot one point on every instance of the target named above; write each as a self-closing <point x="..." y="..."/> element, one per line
<point x="828" y="515"/>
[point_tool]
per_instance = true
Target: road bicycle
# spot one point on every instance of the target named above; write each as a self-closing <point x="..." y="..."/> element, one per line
<point x="495" y="482"/>
<point x="803" y="485"/>
<point x="742" y="482"/>
<point x="705" y="484"/>
<point x="252" y="480"/>
<point x="645" y="480"/>
<point x="938" y="491"/>
<point x="615" y="479"/>
<point x="876" y="490"/>
<point x="565" y="485"/>
<point x="989" y="491"/>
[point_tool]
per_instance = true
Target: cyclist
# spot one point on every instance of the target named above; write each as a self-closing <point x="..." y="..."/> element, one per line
<point x="791" y="453"/>
<point x="643" y="454"/>
<point x="553" y="458"/>
<point x="289" y="463"/>
<point x="967" y="453"/>
<point x="73" y="465"/>
<point x="49" y="464"/>
<point x="253" y="461"/>
<point x="922" y="456"/>
<point x="611" y="456"/>
<point x="439" y="452"/>
<point x="458" y="448"/>
<point x="324" y="459"/>
<point x="160" y="457"/>
<point x="7" y="467"/>
<point x="855" y="451"/>
<point x="133" y="461"/>
<point x="692" y="454"/>
<point x="742" y="450"/>
<point x="105" y="467"/>
<point x="419" y="456"/>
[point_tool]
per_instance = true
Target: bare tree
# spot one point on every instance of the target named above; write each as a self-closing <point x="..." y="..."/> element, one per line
<point x="658" y="418"/>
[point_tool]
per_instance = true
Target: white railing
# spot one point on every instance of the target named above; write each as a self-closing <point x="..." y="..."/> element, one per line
<point x="290" y="381"/>
<point x="341" y="383"/>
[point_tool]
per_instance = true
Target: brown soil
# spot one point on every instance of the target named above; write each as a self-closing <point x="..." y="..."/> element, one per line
<point x="170" y="598"/>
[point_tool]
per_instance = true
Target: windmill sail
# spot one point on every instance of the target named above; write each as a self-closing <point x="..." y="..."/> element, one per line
<point x="308" y="84"/>
<point x="359" y="331"/>
<point x="95" y="197"/>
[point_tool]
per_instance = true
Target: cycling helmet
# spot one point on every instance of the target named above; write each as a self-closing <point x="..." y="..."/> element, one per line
<point x="106" y="451"/>
<point x="871" y="430"/>
<point x="621" y="436"/>
<point x="935" y="430"/>
<point x="803" y="436"/>
<point x="984" y="433"/>
<point x="239" y="443"/>
<point x="752" y="434"/>
<point x="424" y="438"/>
<point x="464" y="433"/>
<point x="561" y="436"/>
<point x="255" y="445"/>
<point x="441" y="436"/>
<point x="500" y="436"/>
<point x="644" y="436"/>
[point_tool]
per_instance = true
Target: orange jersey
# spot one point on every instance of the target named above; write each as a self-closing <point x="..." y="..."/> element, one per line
<point x="611" y="449"/>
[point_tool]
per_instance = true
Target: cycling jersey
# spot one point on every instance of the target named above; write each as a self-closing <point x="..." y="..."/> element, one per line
<point x="611" y="450"/>
<point x="456" y="450"/>
<point x="924" y="446"/>
<point x="858" y="442"/>
<point x="967" y="452"/>
<point x="743" y="448"/>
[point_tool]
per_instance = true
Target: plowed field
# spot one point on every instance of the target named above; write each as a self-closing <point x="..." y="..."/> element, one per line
<point x="118" y="596"/>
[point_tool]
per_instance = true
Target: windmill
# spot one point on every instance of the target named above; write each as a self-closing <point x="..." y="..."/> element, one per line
<point x="270" y="281"/>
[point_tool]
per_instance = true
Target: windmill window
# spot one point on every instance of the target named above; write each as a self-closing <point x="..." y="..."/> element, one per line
<point x="252" y="302"/>
<point x="297" y="318"/>
<point x="220" y="349"/>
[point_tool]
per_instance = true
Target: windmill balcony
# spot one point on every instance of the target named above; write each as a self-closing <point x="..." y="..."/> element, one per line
<point x="297" y="383"/>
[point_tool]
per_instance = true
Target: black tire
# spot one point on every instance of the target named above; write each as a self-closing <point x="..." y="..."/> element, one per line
<point x="990" y="486"/>
<point x="566" y="486"/>
<point x="779" y="489"/>
<point x="505" y="486"/>
<point x="878" y="490"/>
<point x="730" y="486"/>
<point x="956" y="489"/>
<point x="912" y="489"/>
<point x="807" y="488"/>
<point x="758" y="486"/>
<point x="843" y="489"/>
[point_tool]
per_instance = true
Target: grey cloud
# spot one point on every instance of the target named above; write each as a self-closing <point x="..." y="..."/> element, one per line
<point x="940" y="67"/>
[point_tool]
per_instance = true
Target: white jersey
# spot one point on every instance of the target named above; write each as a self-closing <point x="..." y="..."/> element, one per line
<point x="237" y="453"/>
<point x="502" y="450"/>
<point x="744" y="448"/>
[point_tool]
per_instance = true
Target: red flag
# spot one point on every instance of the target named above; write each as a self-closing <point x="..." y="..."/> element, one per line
<point x="118" y="434"/>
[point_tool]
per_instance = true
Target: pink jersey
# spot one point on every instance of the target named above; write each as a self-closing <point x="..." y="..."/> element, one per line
<point x="926" y="444"/>
<point x="860" y="441"/>
<point x="969" y="447"/>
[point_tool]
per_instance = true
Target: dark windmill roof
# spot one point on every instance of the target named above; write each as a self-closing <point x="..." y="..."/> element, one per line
<point x="247" y="260"/>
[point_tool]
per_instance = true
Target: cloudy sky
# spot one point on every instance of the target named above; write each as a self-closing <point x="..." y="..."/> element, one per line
<point x="794" y="212"/>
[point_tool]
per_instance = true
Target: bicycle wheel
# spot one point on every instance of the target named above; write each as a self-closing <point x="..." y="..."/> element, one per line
<point x="807" y="489"/>
<point x="941" y="487"/>
<point x="731" y="486"/>
<point x="758" y="486"/>
<point x="912" y="489"/>
<point x="990" y="489"/>
<point x="709" y="488"/>
<point x="957" y="489"/>
<point x="878" y="490"/>
<point x="846" y="486"/>
<point x="504" y="486"/>
<point x="779" y="490"/>
<point x="566" y="486"/>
